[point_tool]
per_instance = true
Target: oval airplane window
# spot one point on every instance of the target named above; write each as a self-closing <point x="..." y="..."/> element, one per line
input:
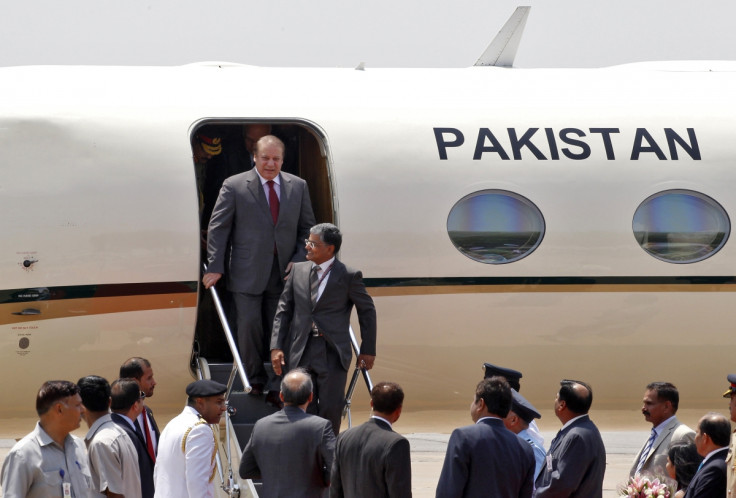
<point x="681" y="226"/>
<point x="495" y="226"/>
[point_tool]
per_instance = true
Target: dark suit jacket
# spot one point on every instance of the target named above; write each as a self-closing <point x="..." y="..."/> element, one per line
<point x="294" y="315"/>
<point x="710" y="480"/>
<point x="242" y="217"/>
<point x="292" y="452"/>
<point x="578" y="461"/>
<point x="145" y="464"/>
<point x="486" y="459"/>
<point x="371" y="460"/>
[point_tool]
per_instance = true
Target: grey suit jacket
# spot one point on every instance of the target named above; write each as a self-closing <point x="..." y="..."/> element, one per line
<point x="486" y="459"/>
<point x="241" y="216"/>
<point x="292" y="452"/>
<point x="576" y="462"/>
<point x="674" y="432"/>
<point x="371" y="460"/>
<point x="294" y="315"/>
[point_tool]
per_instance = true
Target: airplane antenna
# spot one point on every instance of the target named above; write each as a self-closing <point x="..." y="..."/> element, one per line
<point x="502" y="50"/>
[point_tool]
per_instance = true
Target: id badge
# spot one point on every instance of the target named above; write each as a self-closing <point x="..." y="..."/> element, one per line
<point x="549" y="463"/>
<point x="67" y="487"/>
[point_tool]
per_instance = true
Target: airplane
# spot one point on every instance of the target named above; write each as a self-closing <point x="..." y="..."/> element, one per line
<point x="567" y="223"/>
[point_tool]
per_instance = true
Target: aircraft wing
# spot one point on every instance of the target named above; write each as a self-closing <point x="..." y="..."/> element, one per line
<point x="502" y="50"/>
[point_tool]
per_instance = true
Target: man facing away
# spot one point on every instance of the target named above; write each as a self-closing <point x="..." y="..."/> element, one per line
<point x="185" y="467"/>
<point x="660" y="403"/>
<point x="263" y="214"/>
<point x="711" y="440"/>
<point x="50" y="462"/>
<point x="576" y="460"/>
<point x="486" y="459"/>
<point x="127" y="405"/>
<point x="312" y="325"/>
<point x="291" y="450"/>
<point x="371" y="459"/>
<point x="140" y="369"/>
<point x="113" y="459"/>
<point x="731" y="458"/>
<point x="520" y="416"/>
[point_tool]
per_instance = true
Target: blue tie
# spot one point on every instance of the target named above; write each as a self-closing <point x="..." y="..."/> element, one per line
<point x="645" y="451"/>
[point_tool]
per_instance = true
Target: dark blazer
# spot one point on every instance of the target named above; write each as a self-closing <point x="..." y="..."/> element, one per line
<point x="145" y="464"/>
<point x="242" y="217"/>
<point x="576" y="462"/>
<point x="710" y="480"/>
<point x="486" y="459"/>
<point x="292" y="452"/>
<point x="294" y="315"/>
<point x="371" y="460"/>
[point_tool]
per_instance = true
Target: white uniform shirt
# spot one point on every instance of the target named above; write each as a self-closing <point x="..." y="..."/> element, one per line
<point x="182" y="474"/>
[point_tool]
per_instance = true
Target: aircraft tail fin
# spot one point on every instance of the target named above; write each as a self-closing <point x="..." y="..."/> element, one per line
<point x="502" y="50"/>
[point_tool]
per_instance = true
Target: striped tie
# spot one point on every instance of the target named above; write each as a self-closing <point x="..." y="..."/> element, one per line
<point x="645" y="451"/>
<point x="314" y="284"/>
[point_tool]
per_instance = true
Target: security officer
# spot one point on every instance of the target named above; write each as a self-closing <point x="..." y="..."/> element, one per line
<point x="185" y="464"/>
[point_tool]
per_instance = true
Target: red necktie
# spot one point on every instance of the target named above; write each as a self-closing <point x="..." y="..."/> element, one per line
<point x="273" y="201"/>
<point x="149" y="443"/>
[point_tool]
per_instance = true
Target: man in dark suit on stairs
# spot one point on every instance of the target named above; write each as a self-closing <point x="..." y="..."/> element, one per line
<point x="312" y="325"/>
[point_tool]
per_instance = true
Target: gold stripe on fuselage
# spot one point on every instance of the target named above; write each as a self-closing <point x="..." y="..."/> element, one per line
<point x="67" y="308"/>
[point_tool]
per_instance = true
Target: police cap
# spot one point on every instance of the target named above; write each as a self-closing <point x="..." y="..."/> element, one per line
<point x="522" y="407"/>
<point x="205" y="388"/>
<point x="511" y="376"/>
<point x="732" y="388"/>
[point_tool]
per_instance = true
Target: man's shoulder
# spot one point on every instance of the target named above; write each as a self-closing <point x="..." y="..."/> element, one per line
<point x="293" y="179"/>
<point x="681" y="431"/>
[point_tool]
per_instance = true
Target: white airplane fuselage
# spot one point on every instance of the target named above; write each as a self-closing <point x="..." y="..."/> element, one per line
<point x="100" y="228"/>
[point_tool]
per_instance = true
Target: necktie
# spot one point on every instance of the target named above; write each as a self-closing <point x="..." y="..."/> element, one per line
<point x="273" y="201"/>
<point x="149" y="443"/>
<point x="314" y="284"/>
<point x="645" y="451"/>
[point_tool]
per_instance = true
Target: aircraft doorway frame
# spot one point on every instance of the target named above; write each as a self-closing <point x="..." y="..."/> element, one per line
<point x="307" y="156"/>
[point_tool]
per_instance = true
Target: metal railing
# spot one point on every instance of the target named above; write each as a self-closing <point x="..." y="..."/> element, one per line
<point x="354" y="380"/>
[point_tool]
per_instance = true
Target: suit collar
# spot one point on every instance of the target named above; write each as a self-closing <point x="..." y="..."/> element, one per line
<point x="381" y="422"/>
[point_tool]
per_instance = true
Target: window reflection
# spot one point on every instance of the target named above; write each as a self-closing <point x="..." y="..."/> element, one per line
<point x="681" y="226"/>
<point x="495" y="226"/>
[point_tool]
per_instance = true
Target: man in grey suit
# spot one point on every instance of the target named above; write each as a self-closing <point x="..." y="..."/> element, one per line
<point x="311" y="328"/>
<point x="291" y="450"/>
<point x="659" y="406"/>
<point x="486" y="459"/>
<point x="576" y="460"/>
<point x="371" y="459"/>
<point x="263" y="215"/>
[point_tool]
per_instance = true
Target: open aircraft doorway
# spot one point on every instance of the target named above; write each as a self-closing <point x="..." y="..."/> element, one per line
<point x="221" y="149"/>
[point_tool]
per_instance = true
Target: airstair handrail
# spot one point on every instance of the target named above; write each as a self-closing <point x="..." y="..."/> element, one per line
<point x="237" y="362"/>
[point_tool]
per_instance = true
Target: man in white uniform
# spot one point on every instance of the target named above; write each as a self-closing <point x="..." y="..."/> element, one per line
<point x="185" y="464"/>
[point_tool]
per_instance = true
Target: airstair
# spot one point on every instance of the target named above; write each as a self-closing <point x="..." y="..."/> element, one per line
<point x="244" y="410"/>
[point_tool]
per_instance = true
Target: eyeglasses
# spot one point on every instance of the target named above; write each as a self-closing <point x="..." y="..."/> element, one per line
<point x="312" y="244"/>
<point x="143" y="395"/>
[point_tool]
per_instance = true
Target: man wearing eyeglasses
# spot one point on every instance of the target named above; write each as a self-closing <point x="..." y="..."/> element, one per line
<point x="312" y="324"/>
<point x="263" y="214"/>
<point x="126" y="405"/>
